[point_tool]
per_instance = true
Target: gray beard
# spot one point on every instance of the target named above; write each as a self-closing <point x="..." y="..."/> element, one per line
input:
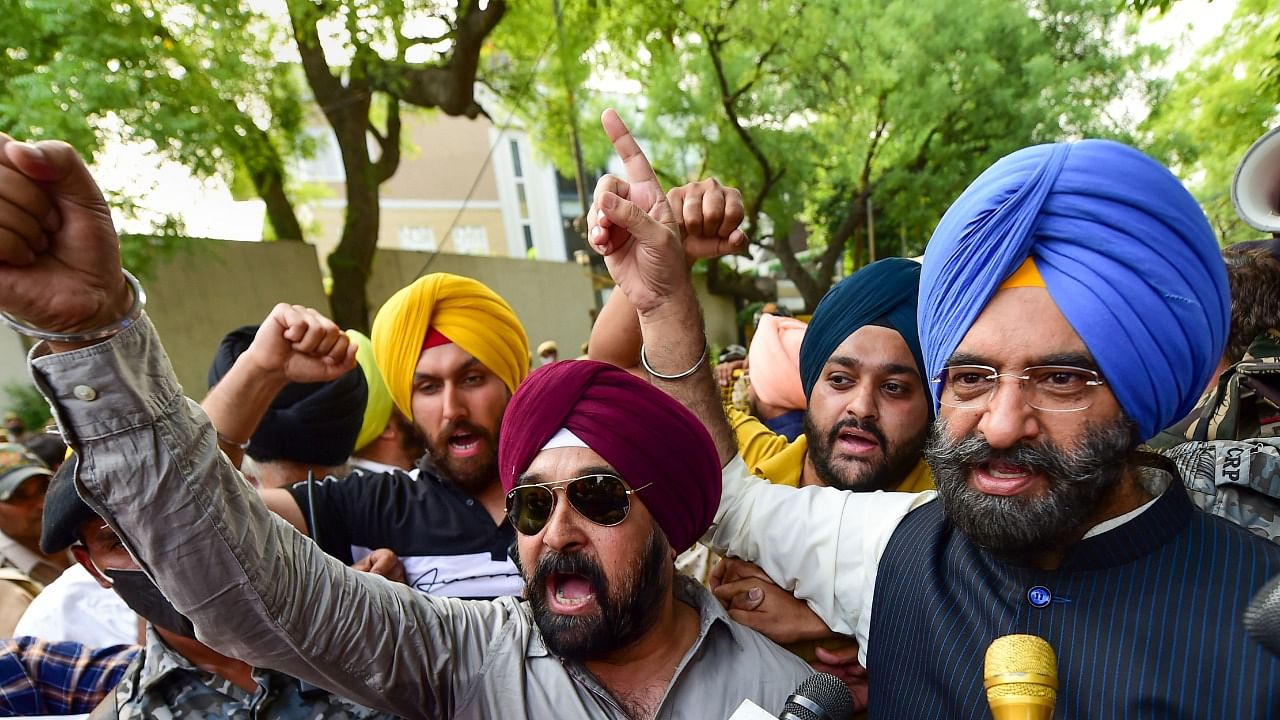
<point x="1078" y="481"/>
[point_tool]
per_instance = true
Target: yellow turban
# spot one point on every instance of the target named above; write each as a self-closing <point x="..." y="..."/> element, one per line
<point x="377" y="411"/>
<point x="464" y="310"/>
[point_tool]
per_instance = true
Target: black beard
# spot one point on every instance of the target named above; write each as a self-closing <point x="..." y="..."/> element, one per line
<point x="896" y="464"/>
<point x="1016" y="526"/>
<point x="624" y="615"/>
<point x="472" y="475"/>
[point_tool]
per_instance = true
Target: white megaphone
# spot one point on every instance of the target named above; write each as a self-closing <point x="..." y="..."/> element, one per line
<point x="1255" y="190"/>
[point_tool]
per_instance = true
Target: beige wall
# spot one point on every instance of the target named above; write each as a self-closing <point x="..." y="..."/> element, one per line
<point x="214" y="286"/>
<point x="200" y="295"/>
<point x="553" y="300"/>
<point x="441" y="159"/>
<point x="328" y="222"/>
<point x="209" y="288"/>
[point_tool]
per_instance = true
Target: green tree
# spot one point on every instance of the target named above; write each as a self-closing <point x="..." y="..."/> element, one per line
<point x="211" y="85"/>
<point x="825" y="111"/>
<point x="1208" y="115"/>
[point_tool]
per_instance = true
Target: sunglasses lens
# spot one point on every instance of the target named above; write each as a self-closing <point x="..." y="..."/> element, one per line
<point x="529" y="508"/>
<point x="602" y="499"/>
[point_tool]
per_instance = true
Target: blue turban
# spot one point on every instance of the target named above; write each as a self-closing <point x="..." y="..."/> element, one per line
<point x="884" y="292"/>
<point x="1124" y="250"/>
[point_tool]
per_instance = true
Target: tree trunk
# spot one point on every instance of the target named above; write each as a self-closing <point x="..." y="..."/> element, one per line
<point x="352" y="261"/>
<point x="269" y="183"/>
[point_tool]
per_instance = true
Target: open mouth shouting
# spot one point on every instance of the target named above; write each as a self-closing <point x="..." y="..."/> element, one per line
<point x="464" y="443"/>
<point x="1000" y="477"/>
<point x="569" y="593"/>
<point x="857" y="442"/>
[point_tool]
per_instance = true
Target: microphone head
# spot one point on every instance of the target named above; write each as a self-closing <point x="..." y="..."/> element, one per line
<point x="1021" y="671"/>
<point x="1262" y="617"/>
<point x="820" y="697"/>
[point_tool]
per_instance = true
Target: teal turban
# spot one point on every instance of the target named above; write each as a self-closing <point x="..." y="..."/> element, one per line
<point x="882" y="293"/>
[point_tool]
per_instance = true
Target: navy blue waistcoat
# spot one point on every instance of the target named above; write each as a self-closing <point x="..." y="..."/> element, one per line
<point x="1145" y="619"/>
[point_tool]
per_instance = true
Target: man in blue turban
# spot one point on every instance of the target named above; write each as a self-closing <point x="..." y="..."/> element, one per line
<point x="1072" y="303"/>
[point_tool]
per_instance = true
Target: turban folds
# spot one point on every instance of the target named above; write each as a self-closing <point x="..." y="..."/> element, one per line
<point x="1124" y="251"/>
<point x="464" y="310"/>
<point x="377" y="411"/>
<point x="312" y="423"/>
<point x="883" y="292"/>
<point x="644" y="434"/>
<point x="774" y="359"/>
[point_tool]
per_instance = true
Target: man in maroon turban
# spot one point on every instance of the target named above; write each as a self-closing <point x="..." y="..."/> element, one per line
<point x="642" y="482"/>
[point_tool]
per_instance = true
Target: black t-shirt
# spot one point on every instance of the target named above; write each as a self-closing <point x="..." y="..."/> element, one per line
<point x="447" y="541"/>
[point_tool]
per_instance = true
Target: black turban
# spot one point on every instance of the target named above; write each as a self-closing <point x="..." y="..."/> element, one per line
<point x="310" y="423"/>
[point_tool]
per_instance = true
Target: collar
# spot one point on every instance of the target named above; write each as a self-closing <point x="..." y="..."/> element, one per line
<point x="918" y="480"/>
<point x="686" y="590"/>
<point x="374" y="466"/>
<point x="786" y="467"/>
<point x="1139" y="532"/>
<point x="17" y="555"/>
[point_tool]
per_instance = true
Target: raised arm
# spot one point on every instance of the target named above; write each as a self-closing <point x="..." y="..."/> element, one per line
<point x="632" y="224"/>
<point x="294" y="344"/>
<point x="149" y="463"/>
<point x="708" y="215"/>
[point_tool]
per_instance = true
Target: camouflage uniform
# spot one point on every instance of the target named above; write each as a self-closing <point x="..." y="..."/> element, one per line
<point x="163" y="684"/>
<point x="1228" y="449"/>
<point x="1235" y="479"/>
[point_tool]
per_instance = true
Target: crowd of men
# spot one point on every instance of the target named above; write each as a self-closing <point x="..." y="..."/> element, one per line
<point x="1062" y="423"/>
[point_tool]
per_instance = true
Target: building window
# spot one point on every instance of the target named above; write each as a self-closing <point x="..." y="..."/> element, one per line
<point x="418" y="237"/>
<point x="515" y="160"/>
<point x="470" y="240"/>
<point x="522" y="200"/>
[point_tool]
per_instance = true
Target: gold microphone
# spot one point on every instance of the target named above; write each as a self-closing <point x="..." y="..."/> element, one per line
<point x="1021" y="677"/>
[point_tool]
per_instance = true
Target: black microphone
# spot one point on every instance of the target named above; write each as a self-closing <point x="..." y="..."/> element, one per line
<point x="819" y="697"/>
<point x="1262" y="617"/>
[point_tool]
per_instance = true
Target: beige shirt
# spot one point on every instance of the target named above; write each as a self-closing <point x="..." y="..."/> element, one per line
<point x="259" y="591"/>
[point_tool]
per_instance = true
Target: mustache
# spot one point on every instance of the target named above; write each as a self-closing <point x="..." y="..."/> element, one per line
<point x="567" y="564"/>
<point x="1093" y="454"/>
<point x="454" y="426"/>
<point x="974" y="450"/>
<point x="853" y="423"/>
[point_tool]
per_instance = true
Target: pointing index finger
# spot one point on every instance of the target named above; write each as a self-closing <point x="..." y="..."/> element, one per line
<point x="633" y="159"/>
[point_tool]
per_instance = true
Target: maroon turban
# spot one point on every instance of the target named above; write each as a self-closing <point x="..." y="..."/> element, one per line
<point x="648" y="437"/>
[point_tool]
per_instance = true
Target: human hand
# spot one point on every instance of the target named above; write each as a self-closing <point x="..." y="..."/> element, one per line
<point x="724" y="371"/>
<point x="632" y="225"/>
<point x="59" y="252"/>
<point x="298" y="344"/>
<point x="382" y="562"/>
<point x="757" y="602"/>
<point x="843" y="663"/>
<point x="708" y="214"/>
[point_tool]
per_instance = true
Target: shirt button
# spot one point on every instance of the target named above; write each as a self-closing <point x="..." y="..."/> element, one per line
<point x="470" y="502"/>
<point x="1039" y="596"/>
<point x="85" y="393"/>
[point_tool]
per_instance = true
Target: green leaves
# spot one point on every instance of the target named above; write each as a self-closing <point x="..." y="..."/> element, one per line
<point x="1211" y="112"/>
<point x="814" y="107"/>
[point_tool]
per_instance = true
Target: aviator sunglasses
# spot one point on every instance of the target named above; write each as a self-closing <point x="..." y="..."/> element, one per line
<point x="602" y="498"/>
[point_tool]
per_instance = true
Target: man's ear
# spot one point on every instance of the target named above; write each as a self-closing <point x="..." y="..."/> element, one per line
<point x="81" y="555"/>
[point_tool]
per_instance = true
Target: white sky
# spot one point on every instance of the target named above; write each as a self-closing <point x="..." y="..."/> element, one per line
<point x="208" y="210"/>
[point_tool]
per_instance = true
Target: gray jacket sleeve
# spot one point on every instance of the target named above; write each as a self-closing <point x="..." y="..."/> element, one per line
<point x="254" y="588"/>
